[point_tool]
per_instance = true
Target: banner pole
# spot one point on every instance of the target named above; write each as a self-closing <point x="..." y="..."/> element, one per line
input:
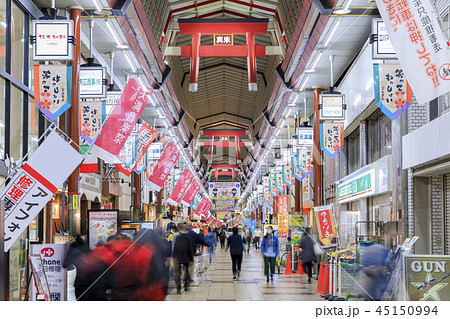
<point x="4" y="275"/>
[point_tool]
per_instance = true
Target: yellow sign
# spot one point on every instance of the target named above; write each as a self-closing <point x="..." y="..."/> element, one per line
<point x="75" y="201"/>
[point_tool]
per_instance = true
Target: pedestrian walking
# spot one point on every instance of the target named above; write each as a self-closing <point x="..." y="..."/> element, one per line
<point x="223" y="237"/>
<point x="183" y="254"/>
<point x="248" y="237"/>
<point x="235" y="243"/>
<point x="270" y="249"/>
<point x="308" y="255"/>
<point x="210" y="241"/>
<point x="257" y="237"/>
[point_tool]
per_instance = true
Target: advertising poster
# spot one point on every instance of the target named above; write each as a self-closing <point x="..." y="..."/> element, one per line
<point x="191" y="192"/>
<point x="325" y="223"/>
<point x="224" y="190"/>
<point x="164" y="166"/>
<point x="53" y="89"/>
<point x="393" y="94"/>
<point x="121" y="121"/>
<point x="34" y="184"/>
<point x="224" y="204"/>
<point x="180" y="188"/>
<point x="90" y="120"/>
<point x="283" y="216"/>
<point x="52" y="256"/>
<point x="39" y="276"/>
<point x="102" y="224"/>
<point x="332" y="138"/>
<point x="427" y="277"/>
<point x="422" y="50"/>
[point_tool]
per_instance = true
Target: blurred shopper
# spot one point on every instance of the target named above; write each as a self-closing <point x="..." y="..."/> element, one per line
<point x="248" y="237"/>
<point x="201" y="240"/>
<point x="222" y="237"/>
<point x="375" y="268"/>
<point x="183" y="254"/>
<point x="235" y="243"/>
<point x="308" y="255"/>
<point x="270" y="249"/>
<point x="74" y="257"/>
<point x="257" y="237"/>
<point x="211" y="241"/>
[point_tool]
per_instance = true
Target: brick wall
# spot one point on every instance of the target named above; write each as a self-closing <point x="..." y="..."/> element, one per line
<point x="436" y="214"/>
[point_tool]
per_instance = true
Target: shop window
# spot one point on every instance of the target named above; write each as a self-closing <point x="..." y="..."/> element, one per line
<point x="16" y="128"/>
<point x="17" y="43"/>
<point x="3" y="29"/>
<point x="33" y="124"/>
<point x="353" y="154"/>
<point x="379" y="136"/>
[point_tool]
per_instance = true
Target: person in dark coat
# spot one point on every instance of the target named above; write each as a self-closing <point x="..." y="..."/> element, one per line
<point x="308" y="255"/>
<point x="222" y="237"/>
<point x="235" y="244"/>
<point x="183" y="254"/>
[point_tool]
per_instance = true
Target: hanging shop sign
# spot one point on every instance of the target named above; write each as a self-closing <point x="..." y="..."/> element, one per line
<point x="169" y="184"/>
<point x="331" y="107"/>
<point x="381" y="47"/>
<point x="39" y="277"/>
<point x="102" y="224"/>
<point x="267" y="195"/>
<point x="154" y="151"/>
<point x="224" y="190"/>
<point x="112" y="98"/>
<point x="283" y="216"/>
<point x="223" y="39"/>
<point x="420" y="45"/>
<point x="164" y="166"/>
<point x="260" y="199"/>
<point x="92" y="80"/>
<point x="331" y="138"/>
<point x="52" y="40"/>
<point x="126" y="156"/>
<point x="280" y="186"/>
<point x="360" y="186"/>
<point x="121" y="121"/>
<point x="180" y="188"/>
<point x="305" y="136"/>
<point x="325" y="224"/>
<point x="272" y="189"/>
<point x="288" y="178"/>
<point x="90" y="119"/>
<point x="427" y="277"/>
<point x="202" y="208"/>
<point x="141" y="165"/>
<point x="295" y="170"/>
<point x="305" y="160"/>
<point x="53" y="89"/>
<point x="52" y="256"/>
<point x="393" y="94"/>
<point x="34" y="184"/>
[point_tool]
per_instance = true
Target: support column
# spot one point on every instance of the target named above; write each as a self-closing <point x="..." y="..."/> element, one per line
<point x="251" y="62"/>
<point x="159" y="203"/>
<point x="74" y="120"/>
<point x="195" y="62"/>
<point x="297" y="185"/>
<point x="238" y="150"/>
<point x="137" y="196"/>
<point x="317" y="153"/>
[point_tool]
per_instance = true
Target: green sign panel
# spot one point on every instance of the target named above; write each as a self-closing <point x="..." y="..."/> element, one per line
<point x="357" y="187"/>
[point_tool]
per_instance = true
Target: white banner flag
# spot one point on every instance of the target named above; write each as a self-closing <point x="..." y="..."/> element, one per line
<point x="420" y="45"/>
<point x="35" y="182"/>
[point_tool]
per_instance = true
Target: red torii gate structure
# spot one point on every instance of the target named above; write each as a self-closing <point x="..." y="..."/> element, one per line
<point x="198" y="27"/>
<point x="224" y="133"/>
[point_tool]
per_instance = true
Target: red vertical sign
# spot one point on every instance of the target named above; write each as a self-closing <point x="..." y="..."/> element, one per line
<point x="325" y="222"/>
<point x="121" y="121"/>
<point x="191" y="192"/>
<point x="180" y="187"/>
<point x="162" y="169"/>
<point x="201" y="208"/>
<point x="283" y="216"/>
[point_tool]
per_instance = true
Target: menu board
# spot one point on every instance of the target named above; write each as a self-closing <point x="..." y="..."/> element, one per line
<point x="102" y="224"/>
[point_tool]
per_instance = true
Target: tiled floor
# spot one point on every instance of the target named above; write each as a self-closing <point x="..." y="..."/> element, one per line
<point x="216" y="283"/>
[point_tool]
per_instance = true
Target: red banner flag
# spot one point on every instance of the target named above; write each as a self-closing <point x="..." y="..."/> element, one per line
<point x="121" y="121"/>
<point x="191" y="193"/>
<point x="180" y="187"/>
<point x="201" y="208"/>
<point x="327" y="231"/>
<point x="162" y="169"/>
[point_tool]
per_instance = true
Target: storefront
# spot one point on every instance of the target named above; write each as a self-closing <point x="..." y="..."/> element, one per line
<point x="90" y="187"/>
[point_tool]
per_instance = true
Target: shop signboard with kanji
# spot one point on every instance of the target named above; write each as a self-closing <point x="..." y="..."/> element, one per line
<point x="34" y="184"/>
<point x="359" y="186"/>
<point x="102" y="224"/>
<point x="325" y="225"/>
<point x="381" y="47"/>
<point x="121" y="121"/>
<point x="416" y="35"/>
<point x="288" y="178"/>
<point x="393" y="94"/>
<point x="305" y="136"/>
<point x="52" y="256"/>
<point x="332" y="107"/>
<point x="192" y="191"/>
<point x="52" y="40"/>
<point x="91" y="82"/>
<point x="295" y="170"/>
<point x="280" y="186"/>
<point x="52" y="89"/>
<point x="91" y="114"/>
<point x="164" y="166"/>
<point x="305" y="160"/>
<point x="200" y="208"/>
<point x="181" y="187"/>
<point x="331" y="138"/>
<point x="141" y="165"/>
<point x="126" y="155"/>
<point x="283" y="216"/>
<point x="427" y="277"/>
<point x="223" y="39"/>
<point x="169" y="184"/>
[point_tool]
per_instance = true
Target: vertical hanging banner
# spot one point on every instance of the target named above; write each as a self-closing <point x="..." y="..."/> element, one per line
<point x="295" y="170"/>
<point x="169" y="184"/>
<point x="53" y="89"/>
<point x="162" y="169"/>
<point x="331" y="138"/>
<point x="283" y="216"/>
<point x="141" y="165"/>
<point x="191" y="192"/>
<point x="305" y="160"/>
<point x="34" y="184"/>
<point x="126" y="156"/>
<point x="288" y="178"/>
<point x="273" y="190"/>
<point x="414" y="30"/>
<point x="280" y="186"/>
<point x="267" y="194"/>
<point x="393" y="94"/>
<point x="180" y="188"/>
<point x="91" y="114"/>
<point x="202" y="207"/>
<point x="121" y="121"/>
<point x="325" y="223"/>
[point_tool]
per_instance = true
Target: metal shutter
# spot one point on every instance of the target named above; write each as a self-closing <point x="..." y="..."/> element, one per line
<point x="447" y="214"/>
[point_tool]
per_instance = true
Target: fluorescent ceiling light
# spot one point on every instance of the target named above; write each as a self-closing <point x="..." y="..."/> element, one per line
<point x="333" y="30"/>
<point x="3" y="24"/>
<point x="304" y="82"/>
<point x="97" y="5"/>
<point x="160" y="113"/>
<point x="344" y="10"/>
<point x="113" y="32"/>
<point x="313" y="66"/>
<point x="133" y="68"/>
